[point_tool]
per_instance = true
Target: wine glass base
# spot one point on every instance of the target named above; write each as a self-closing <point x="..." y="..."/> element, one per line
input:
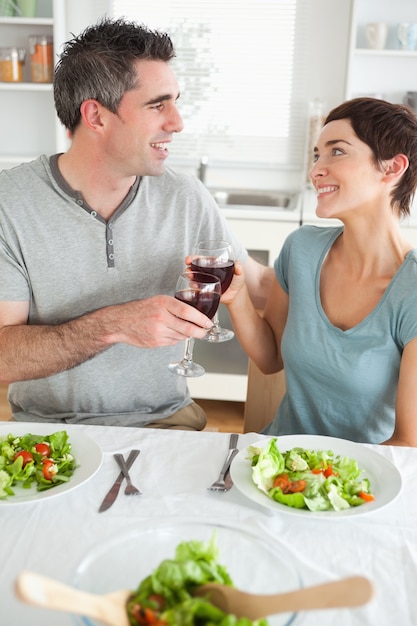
<point x="189" y="370"/>
<point x="219" y="336"/>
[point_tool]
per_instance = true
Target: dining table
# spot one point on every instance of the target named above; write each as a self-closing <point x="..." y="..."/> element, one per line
<point x="51" y="535"/>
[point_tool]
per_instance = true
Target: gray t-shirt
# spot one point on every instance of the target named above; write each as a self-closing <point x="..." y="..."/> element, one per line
<point x="66" y="260"/>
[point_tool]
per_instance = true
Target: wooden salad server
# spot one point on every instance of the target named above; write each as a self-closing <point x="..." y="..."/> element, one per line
<point x="347" y="592"/>
<point x="110" y="609"/>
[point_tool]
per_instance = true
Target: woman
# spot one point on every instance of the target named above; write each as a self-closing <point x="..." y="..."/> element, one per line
<point x="342" y="312"/>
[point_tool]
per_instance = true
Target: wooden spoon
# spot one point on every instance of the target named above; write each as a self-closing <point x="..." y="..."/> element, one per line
<point x="110" y="609"/>
<point x="347" y="592"/>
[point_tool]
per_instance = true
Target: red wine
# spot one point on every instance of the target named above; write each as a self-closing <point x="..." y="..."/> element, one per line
<point x="205" y="302"/>
<point x="223" y="270"/>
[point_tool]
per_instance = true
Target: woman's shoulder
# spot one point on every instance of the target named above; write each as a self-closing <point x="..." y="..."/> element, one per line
<point x="309" y="234"/>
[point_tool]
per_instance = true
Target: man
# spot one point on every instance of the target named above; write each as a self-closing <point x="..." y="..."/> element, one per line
<point x="92" y="242"/>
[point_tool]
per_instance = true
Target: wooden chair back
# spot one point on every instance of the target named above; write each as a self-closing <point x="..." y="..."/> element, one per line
<point x="264" y="393"/>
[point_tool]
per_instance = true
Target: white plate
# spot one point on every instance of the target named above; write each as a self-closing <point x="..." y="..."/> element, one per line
<point x="254" y="563"/>
<point x="86" y="452"/>
<point x="384" y="477"/>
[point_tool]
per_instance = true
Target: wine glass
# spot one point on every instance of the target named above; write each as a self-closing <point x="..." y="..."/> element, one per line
<point x="202" y="291"/>
<point x="215" y="257"/>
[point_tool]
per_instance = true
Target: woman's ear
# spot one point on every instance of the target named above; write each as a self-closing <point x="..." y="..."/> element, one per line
<point x="395" y="167"/>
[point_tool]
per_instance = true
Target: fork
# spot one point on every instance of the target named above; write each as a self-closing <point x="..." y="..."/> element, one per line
<point x="220" y="483"/>
<point x="130" y="490"/>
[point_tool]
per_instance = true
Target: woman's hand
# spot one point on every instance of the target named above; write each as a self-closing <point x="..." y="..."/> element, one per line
<point x="235" y="286"/>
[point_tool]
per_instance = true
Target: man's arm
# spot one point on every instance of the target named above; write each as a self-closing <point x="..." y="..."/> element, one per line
<point x="37" y="351"/>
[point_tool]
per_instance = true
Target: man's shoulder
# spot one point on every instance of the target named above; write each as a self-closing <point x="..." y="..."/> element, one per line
<point x="20" y="174"/>
<point x="174" y="186"/>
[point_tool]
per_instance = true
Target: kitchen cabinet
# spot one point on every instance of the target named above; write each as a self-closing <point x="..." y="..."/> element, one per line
<point x="28" y="123"/>
<point x="387" y="73"/>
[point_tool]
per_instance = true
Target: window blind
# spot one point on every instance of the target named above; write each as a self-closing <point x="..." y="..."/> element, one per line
<point x="240" y="73"/>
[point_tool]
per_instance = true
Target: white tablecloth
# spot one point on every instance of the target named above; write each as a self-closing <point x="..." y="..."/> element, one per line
<point x="173" y="472"/>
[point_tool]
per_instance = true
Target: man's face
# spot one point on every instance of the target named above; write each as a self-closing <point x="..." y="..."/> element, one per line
<point x="138" y="135"/>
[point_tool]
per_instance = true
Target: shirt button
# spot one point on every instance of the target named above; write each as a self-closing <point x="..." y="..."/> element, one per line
<point x="110" y="242"/>
<point x="93" y="213"/>
<point x="111" y="257"/>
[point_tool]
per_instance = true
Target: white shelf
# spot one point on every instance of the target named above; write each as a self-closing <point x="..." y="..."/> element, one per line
<point x="27" y="21"/>
<point x="389" y="72"/>
<point x="25" y="86"/>
<point x="385" y="52"/>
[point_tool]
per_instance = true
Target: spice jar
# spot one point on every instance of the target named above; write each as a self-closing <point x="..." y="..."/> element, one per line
<point x="11" y="64"/>
<point x="41" y="58"/>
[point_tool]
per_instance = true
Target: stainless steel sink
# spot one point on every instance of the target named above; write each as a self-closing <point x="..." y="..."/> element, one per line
<point x="281" y="200"/>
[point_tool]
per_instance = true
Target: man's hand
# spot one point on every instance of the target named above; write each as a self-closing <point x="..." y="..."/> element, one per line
<point x="155" y="322"/>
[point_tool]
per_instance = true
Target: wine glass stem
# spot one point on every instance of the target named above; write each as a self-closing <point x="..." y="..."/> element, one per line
<point x="215" y="330"/>
<point x="188" y="352"/>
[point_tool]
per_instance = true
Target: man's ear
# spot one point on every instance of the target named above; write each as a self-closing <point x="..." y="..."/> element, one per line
<point x="91" y="113"/>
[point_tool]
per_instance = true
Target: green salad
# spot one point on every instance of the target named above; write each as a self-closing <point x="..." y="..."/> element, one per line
<point x="41" y="460"/>
<point x="317" y="480"/>
<point x="165" y="598"/>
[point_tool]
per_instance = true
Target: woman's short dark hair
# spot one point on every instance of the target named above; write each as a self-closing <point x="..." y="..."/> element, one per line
<point x="100" y="64"/>
<point x="388" y="129"/>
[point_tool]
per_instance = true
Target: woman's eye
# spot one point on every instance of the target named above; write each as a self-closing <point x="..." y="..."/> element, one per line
<point x="337" y="151"/>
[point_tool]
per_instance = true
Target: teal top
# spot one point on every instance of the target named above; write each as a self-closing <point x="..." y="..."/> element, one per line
<point x="340" y="383"/>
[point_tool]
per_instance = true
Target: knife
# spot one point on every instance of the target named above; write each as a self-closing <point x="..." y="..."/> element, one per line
<point x="113" y="492"/>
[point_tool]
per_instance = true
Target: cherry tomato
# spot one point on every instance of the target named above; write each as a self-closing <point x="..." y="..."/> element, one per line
<point x="368" y="497"/>
<point x="328" y="471"/>
<point x="145" y="616"/>
<point x="26" y="456"/>
<point x="282" y="481"/>
<point x="157" y="600"/>
<point x="43" y="449"/>
<point x="49" y="469"/>
<point x="287" y="486"/>
<point x="297" y="485"/>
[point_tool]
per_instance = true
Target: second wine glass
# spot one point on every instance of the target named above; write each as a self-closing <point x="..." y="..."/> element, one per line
<point x="215" y="257"/>
<point x="202" y="291"/>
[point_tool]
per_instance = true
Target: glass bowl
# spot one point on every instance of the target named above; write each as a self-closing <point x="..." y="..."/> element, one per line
<point x="254" y="563"/>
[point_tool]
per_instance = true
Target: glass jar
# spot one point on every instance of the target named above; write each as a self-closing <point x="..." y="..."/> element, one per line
<point x="316" y="117"/>
<point x="11" y="64"/>
<point x="41" y="58"/>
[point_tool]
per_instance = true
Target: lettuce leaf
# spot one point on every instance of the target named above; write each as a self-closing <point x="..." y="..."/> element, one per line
<point x="194" y="563"/>
<point x="332" y="482"/>
<point x="269" y="462"/>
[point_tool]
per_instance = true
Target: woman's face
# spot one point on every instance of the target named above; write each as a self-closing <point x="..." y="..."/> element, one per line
<point x="344" y="173"/>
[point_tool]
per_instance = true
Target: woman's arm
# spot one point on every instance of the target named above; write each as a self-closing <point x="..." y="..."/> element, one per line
<point x="405" y="432"/>
<point x="260" y="336"/>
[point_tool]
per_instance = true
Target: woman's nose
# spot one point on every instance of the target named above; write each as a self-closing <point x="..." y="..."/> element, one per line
<point x="316" y="170"/>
